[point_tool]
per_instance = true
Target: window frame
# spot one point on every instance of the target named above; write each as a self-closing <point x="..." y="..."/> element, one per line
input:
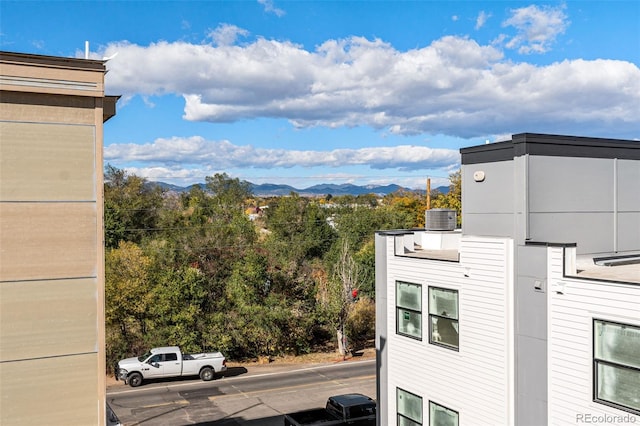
<point x="604" y="362"/>
<point x="446" y="408"/>
<point x="411" y="310"/>
<point x="398" y="414"/>
<point x="438" y="316"/>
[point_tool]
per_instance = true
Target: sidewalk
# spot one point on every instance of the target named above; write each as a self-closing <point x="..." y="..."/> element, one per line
<point x="295" y="363"/>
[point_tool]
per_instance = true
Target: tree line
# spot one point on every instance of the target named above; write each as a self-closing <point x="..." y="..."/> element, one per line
<point x="197" y="271"/>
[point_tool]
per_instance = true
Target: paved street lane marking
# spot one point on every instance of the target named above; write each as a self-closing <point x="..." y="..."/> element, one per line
<point x="164" y="404"/>
<point x="237" y="389"/>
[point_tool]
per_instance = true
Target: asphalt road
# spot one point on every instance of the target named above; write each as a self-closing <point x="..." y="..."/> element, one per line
<point x="248" y="398"/>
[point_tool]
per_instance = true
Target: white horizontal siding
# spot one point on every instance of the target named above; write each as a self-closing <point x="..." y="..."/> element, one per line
<point x="570" y="338"/>
<point x="476" y="381"/>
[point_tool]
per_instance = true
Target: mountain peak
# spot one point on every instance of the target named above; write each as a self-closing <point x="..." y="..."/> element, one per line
<point x="323" y="189"/>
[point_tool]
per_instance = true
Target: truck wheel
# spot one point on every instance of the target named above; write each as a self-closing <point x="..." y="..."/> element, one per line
<point x="206" y="374"/>
<point x="135" y="379"/>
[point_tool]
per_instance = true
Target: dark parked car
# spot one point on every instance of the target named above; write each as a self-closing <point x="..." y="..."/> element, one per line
<point x="349" y="409"/>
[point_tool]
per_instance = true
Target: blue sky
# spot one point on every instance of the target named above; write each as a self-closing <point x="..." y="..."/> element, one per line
<point x="363" y="92"/>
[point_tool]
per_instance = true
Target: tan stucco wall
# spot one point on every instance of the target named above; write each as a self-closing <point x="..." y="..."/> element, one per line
<point x="48" y="318"/>
<point x="52" y="162"/>
<point x="52" y="351"/>
<point x="51" y="391"/>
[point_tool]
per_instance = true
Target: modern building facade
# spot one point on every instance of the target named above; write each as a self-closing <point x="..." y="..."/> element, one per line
<point x="52" y="355"/>
<point x="530" y="314"/>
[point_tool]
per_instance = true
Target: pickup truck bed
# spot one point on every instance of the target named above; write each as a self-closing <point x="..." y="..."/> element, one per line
<point x="190" y="366"/>
<point x="316" y="416"/>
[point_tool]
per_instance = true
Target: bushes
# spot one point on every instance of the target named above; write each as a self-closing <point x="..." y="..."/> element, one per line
<point x="191" y="270"/>
<point x="361" y="323"/>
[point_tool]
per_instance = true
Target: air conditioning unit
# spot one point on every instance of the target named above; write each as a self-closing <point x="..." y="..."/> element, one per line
<point x="440" y="220"/>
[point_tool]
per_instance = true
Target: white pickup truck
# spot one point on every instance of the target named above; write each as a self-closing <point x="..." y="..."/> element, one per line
<point x="169" y="362"/>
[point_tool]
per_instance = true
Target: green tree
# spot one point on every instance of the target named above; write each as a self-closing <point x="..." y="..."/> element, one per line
<point x="229" y="195"/>
<point x="357" y="226"/>
<point x="411" y="204"/>
<point x="300" y="227"/>
<point x="211" y="234"/>
<point x="131" y="207"/>
<point x="452" y="199"/>
<point x="128" y="298"/>
<point x="299" y="236"/>
<point x="179" y="296"/>
<point x="193" y="270"/>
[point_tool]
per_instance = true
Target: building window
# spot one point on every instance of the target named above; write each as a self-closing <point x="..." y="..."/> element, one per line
<point x="443" y="317"/>
<point x="409" y="309"/>
<point x="617" y="365"/>
<point x="442" y="416"/>
<point x="409" y="407"/>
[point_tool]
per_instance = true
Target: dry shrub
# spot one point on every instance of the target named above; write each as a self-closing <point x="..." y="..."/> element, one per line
<point x="361" y="322"/>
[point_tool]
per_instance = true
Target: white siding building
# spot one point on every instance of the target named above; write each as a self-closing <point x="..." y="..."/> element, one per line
<point x="477" y="377"/>
<point x="488" y="326"/>
<point x="594" y="341"/>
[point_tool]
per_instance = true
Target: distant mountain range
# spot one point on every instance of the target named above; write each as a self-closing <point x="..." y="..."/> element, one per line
<point x="271" y="189"/>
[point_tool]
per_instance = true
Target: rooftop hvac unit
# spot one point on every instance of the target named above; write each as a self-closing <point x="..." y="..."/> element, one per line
<point x="440" y="220"/>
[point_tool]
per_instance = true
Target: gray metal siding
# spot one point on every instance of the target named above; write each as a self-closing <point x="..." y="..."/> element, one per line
<point x="576" y="185"/>
<point x="592" y="232"/>
<point x="530" y="336"/>
<point x="494" y="195"/>
<point x="487" y="206"/>
<point x="593" y="202"/>
<point x="628" y="235"/>
<point x="628" y="185"/>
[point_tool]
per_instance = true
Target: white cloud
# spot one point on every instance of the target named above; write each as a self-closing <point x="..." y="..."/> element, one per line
<point x="482" y="19"/>
<point x="223" y="155"/>
<point x="226" y="34"/>
<point x="537" y="28"/>
<point x="270" y="8"/>
<point x="454" y="86"/>
<point x="178" y="175"/>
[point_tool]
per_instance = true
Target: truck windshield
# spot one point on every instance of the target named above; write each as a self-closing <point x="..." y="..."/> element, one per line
<point x="145" y="356"/>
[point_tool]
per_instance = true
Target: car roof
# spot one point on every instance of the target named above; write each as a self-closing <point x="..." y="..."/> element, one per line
<point x="165" y="349"/>
<point x="351" y="399"/>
